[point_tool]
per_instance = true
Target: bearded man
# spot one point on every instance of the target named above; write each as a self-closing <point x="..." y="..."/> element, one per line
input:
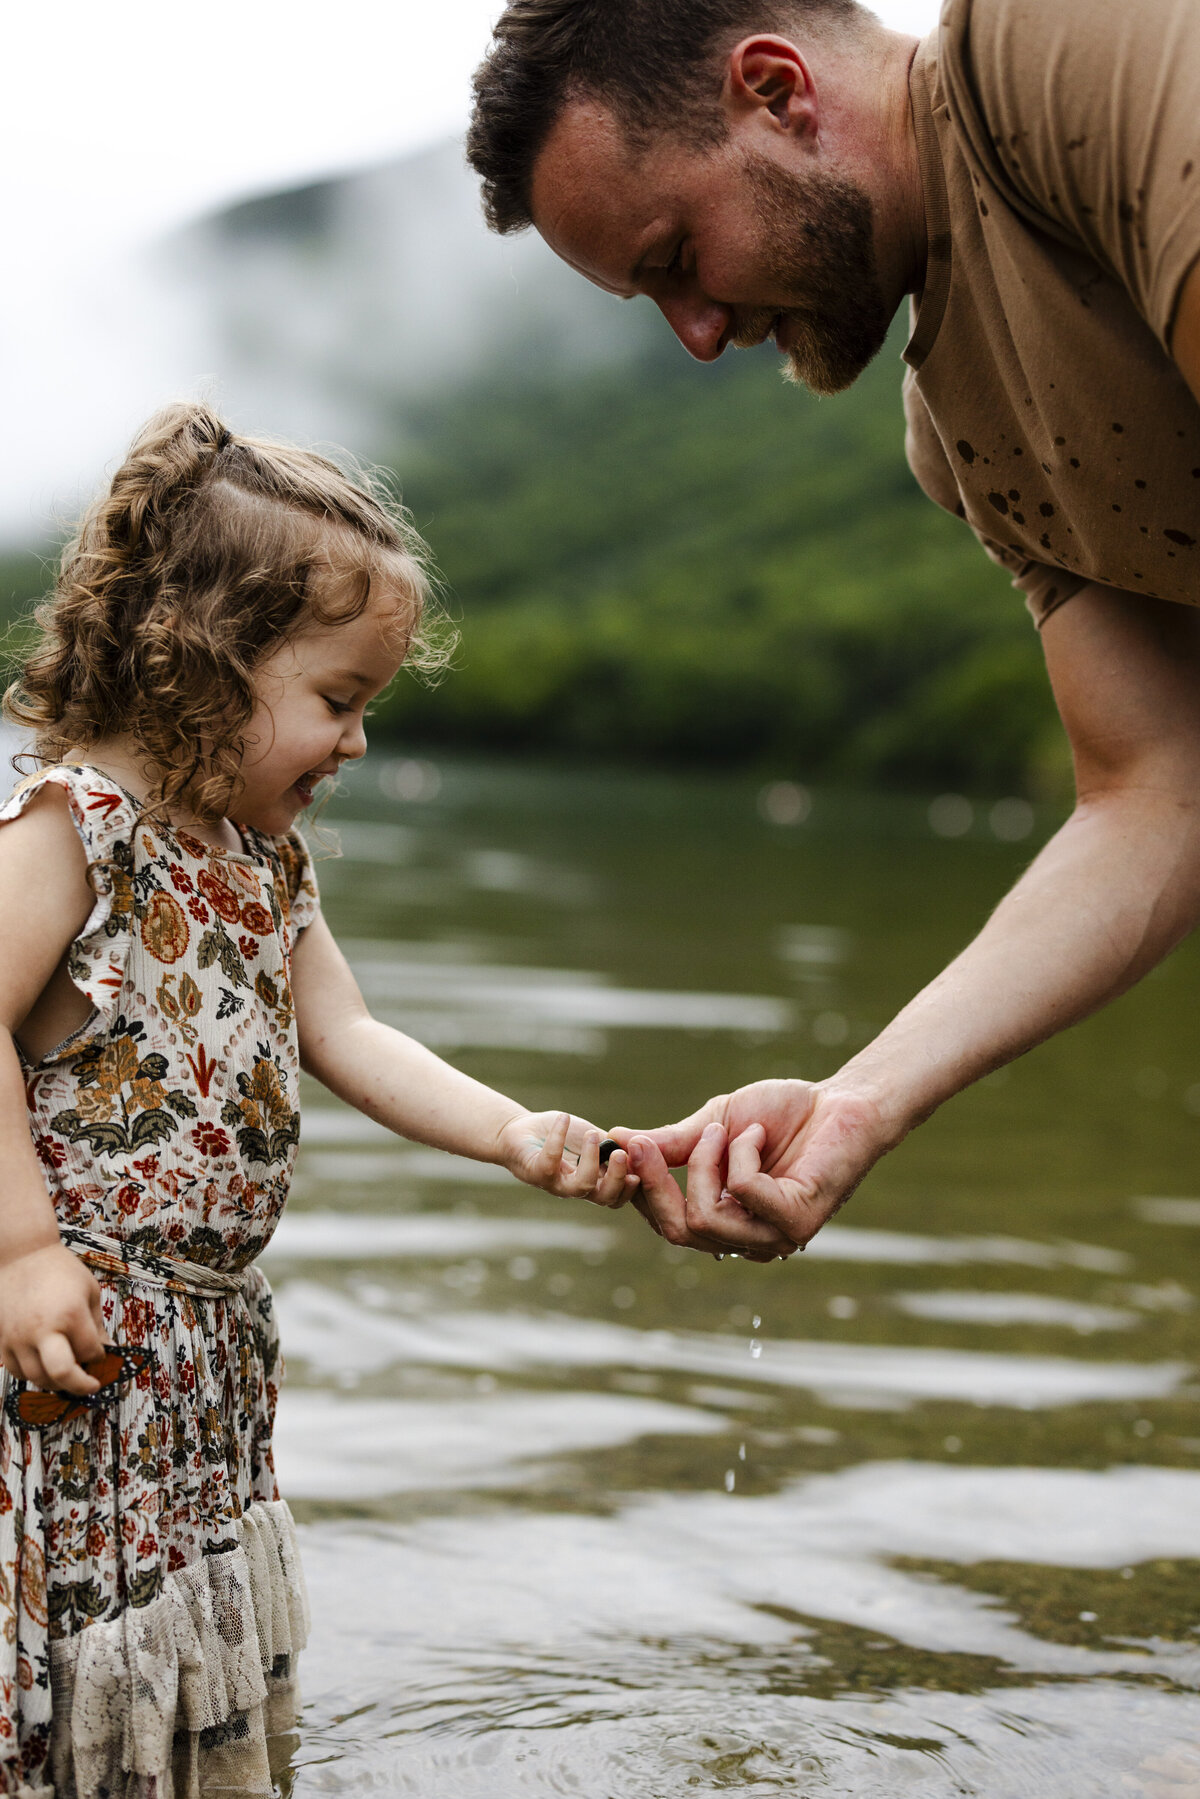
<point x="1030" y="176"/>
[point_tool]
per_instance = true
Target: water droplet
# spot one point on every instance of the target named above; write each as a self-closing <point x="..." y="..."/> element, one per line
<point x="755" y="1321"/>
<point x="730" y="1480"/>
<point x="741" y="1452"/>
<point x="755" y="1349"/>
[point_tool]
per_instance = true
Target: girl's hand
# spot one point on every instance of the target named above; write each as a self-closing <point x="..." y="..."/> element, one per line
<point x="561" y="1155"/>
<point x="50" y="1319"/>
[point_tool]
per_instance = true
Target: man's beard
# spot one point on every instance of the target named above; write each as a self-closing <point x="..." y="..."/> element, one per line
<point x="819" y="243"/>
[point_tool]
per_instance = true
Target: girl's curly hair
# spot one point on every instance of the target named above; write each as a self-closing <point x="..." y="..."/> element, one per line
<point x="207" y="552"/>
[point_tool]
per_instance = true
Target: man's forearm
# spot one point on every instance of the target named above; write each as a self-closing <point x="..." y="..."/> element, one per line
<point x="1111" y="894"/>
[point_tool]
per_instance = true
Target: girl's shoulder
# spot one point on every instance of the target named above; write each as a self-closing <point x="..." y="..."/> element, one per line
<point x="103" y="813"/>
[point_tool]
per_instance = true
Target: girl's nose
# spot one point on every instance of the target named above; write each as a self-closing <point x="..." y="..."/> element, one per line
<point x="352" y="744"/>
<point x="702" y="326"/>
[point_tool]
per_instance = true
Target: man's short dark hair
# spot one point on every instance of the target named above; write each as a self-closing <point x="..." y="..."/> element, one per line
<point x="646" y="59"/>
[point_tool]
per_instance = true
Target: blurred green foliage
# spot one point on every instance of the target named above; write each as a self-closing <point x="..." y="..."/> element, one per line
<point x="663" y="561"/>
<point x="25" y="575"/>
<point x="24" y="578"/>
<point x="693" y="563"/>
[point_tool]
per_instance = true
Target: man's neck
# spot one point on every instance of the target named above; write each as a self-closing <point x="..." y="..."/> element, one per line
<point x="879" y="149"/>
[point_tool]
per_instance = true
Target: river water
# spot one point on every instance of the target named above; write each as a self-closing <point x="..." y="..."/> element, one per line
<point x="917" y="1512"/>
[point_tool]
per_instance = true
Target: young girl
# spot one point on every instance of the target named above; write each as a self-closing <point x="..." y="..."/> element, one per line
<point x="220" y="625"/>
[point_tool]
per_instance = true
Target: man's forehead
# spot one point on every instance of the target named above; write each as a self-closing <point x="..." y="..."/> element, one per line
<point x="596" y="200"/>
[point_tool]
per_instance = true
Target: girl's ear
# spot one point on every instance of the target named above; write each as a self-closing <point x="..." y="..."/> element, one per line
<point x="768" y="78"/>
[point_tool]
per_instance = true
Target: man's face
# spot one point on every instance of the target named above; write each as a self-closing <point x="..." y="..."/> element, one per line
<point x="733" y="245"/>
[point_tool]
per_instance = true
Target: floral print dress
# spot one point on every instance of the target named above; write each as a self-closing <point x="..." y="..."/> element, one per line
<point x="151" y="1600"/>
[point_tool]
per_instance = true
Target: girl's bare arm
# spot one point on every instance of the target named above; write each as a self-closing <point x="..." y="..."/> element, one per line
<point x="49" y="1303"/>
<point x="406" y="1087"/>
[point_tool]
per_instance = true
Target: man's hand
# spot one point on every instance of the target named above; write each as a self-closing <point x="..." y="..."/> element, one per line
<point x="784" y="1153"/>
<point x="1107" y="898"/>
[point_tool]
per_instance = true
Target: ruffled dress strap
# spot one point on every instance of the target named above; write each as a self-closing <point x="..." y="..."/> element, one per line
<point x="105" y="817"/>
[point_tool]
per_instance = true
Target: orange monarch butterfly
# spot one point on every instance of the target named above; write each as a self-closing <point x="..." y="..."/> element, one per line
<point x="33" y="1407"/>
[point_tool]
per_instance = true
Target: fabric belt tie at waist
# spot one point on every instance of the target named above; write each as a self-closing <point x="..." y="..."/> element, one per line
<point x="107" y="1255"/>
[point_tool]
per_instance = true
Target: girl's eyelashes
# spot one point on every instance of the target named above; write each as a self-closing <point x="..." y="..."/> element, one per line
<point x="338" y="706"/>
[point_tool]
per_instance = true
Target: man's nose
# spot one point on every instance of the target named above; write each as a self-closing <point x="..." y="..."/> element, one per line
<point x="702" y="326"/>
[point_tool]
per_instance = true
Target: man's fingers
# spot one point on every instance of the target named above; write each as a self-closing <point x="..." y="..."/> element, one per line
<point x="706" y="1172"/>
<point x="711" y="1212"/>
<point x="783" y="1203"/>
<point x="675" y="1142"/>
<point x="641" y="1204"/>
<point x="664" y="1202"/>
<point x="715" y="1213"/>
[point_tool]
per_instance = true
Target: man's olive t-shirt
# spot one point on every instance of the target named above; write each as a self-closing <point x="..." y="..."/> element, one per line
<point x="1059" y="144"/>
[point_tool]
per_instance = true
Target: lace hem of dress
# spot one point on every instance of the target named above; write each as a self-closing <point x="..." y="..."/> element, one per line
<point x="179" y="1699"/>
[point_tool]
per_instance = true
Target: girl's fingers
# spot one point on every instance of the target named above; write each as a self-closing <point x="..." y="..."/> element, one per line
<point x="585" y="1176"/>
<point x="87" y="1338"/>
<point x="616" y="1182"/>
<point x="96" y="1308"/>
<point x="29" y="1366"/>
<point x="61" y="1368"/>
<point x="555" y="1144"/>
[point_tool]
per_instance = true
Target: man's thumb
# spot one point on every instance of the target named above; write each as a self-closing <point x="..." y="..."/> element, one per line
<point x="675" y="1141"/>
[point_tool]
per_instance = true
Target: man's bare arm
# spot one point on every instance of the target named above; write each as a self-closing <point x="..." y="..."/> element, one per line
<point x="1108" y="897"/>
<point x="1185" y="339"/>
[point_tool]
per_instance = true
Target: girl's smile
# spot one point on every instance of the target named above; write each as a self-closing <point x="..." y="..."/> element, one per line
<point x="313" y="696"/>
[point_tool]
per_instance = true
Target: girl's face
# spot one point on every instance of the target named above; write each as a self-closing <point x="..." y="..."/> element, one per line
<point x="313" y="693"/>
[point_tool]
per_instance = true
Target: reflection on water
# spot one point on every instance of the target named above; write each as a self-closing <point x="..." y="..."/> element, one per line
<point x="917" y="1512"/>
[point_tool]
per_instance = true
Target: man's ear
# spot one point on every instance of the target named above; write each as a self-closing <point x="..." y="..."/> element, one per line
<point x="767" y="75"/>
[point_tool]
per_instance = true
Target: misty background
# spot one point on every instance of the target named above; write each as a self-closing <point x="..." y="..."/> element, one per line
<point x="647" y="558"/>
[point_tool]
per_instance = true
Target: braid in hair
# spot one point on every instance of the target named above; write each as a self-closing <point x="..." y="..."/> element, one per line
<point x="206" y="552"/>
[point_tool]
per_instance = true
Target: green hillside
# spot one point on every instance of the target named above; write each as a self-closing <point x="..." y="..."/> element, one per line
<point x="702" y="563"/>
<point x="674" y="562"/>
